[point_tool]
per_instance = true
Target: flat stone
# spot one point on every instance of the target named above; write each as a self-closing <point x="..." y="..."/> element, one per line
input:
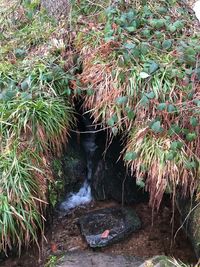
<point x="107" y="226"/>
<point x="93" y="259"/>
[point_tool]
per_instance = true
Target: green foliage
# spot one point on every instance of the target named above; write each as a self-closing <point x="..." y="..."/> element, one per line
<point x="35" y="118"/>
<point x="52" y="261"/>
<point x="145" y="74"/>
<point x="21" y="198"/>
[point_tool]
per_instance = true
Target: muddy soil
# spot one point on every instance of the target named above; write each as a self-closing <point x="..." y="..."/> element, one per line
<point x="154" y="238"/>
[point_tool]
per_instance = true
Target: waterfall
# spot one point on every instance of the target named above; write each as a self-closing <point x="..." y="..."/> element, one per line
<point x="84" y="195"/>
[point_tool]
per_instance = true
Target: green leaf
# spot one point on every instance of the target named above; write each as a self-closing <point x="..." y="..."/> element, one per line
<point x="162" y="10"/>
<point x="129" y="46"/>
<point x="191" y="137"/>
<point x="130" y="156"/>
<point x="157" y="23"/>
<point x="162" y="106"/>
<point x="67" y="92"/>
<point x="136" y="53"/>
<point x="131" y="29"/>
<point x="171" y="155"/>
<point x="167" y="44"/>
<point x="144" y="48"/>
<point x="174" y="129"/>
<point x="176" y="145"/>
<point x="8" y="95"/>
<point x="111" y="122"/>
<point x="90" y="92"/>
<point x="144" y="100"/>
<point x="171" y="108"/>
<point x="20" y="53"/>
<point x="185" y="131"/>
<point x="144" y="75"/>
<point x="158" y="34"/>
<point x="24" y="85"/>
<point x="121" y="100"/>
<point x="178" y="24"/>
<point x="109" y="38"/>
<point x="150" y="95"/>
<point x="156" y="44"/>
<point x="194" y="121"/>
<point x="153" y="67"/>
<point x="191" y="165"/>
<point x="131" y="115"/>
<point x="197" y="102"/>
<point x="130" y="15"/>
<point x="156" y="127"/>
<point x="146" y="33"/>
<point x="172" y="28"/>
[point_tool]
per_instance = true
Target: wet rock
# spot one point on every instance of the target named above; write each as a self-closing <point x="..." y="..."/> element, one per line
<point x="107" y="226"/>
<point x="74" y="166"/>
<point x="190" y="213"/>
<point x="91" y="259"/>
<point x="110" y="179"/>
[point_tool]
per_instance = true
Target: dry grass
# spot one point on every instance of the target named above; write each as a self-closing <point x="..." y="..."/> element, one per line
<point x="147" y="110"/>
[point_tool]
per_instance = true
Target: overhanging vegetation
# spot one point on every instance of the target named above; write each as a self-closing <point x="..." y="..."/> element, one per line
<point x="141" y="70"/>
<point x="35" y="118"/>
<point x="138" y="73"/>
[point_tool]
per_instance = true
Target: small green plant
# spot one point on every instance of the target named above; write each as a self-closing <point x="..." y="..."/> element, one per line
<point x="51" y="261"/>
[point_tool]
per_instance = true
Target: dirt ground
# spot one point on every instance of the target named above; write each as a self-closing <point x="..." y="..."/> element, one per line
<point x="154" y="238"/>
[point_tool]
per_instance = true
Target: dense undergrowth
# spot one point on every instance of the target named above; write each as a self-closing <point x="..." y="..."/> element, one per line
<point x="35" y="118"/>
<point x="139" y="77"/>
<point x="141" y="71"/>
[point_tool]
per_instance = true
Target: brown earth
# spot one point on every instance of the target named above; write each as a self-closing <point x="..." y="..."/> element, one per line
<point x="155" y="238"/>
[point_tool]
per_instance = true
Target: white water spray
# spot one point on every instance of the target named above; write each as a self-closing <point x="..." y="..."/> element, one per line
<point x="83" y="196"/>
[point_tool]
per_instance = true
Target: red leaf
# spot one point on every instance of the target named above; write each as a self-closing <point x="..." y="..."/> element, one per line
<point x="54" y="247"/>
<point x="105" y="234"/>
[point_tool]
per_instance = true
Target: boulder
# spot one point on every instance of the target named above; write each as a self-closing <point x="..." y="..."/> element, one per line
<point x="107" y="226"/>
<point x="91" y="259"/>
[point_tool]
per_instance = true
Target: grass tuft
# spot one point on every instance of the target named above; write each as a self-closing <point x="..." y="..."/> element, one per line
<point x="35" y="118"/>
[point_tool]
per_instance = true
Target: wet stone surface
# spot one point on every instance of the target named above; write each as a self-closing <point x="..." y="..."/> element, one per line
<point x="107" y="226"/>
<point x="89" y="259"/>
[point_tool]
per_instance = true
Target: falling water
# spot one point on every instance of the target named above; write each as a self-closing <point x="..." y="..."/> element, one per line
<point x="84" y="195"/>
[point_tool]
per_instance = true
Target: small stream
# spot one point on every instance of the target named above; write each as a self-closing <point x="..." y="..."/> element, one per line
<point x="64" y="235"/>
<point x="84" y="195"/>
